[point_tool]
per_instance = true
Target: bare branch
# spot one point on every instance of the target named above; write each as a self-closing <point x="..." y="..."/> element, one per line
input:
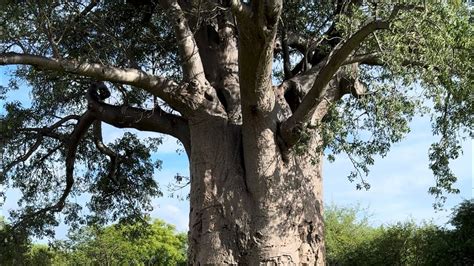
<point x="25" y="156"/>
<point x="192" y="64"/>
<point x="256" y="42"/>
<point x="86" y="10"/>
<point x="367" y="59"/>
<point x="286" y="52"/>
<point x="114" y="160"/>
<point x="63" y="120"/>
<point x="41" y="133"/>
<point x="79" y="131"/>
<point x="374" y="59"/>
<point x="158" y="86"/>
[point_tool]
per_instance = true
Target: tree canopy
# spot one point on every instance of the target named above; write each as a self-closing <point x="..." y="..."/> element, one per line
<point x="390" y="61"/>
<point x="351" y="240"/>
<point x="152" y="243"/>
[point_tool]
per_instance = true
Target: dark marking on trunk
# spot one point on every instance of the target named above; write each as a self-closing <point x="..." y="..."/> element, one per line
<point x="208" y="97"/>
<point x="254" y="109"/>
<point x="242" y="162"/>
<point x="284" y="151"/>
<point x="221" y="97"/>
<point x="213" y="35"/>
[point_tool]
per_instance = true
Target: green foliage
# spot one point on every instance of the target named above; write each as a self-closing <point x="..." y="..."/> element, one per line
<point x="351" y="241"/>
<point x="134" y="244"/>
<point x="463" y="222"/>
<point x="116" y="28"/>
<point x="132" y="184"/>
<point x="13" y="246"/>
<point x="155" y="243"/>
<point x="43" y="255"/>
<point x="346" y="229"/>
<point x="425" y="64"/>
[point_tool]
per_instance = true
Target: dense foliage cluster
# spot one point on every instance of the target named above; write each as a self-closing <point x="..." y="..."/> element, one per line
<point x="350" y="240"/>
<point x="156" y="243"/>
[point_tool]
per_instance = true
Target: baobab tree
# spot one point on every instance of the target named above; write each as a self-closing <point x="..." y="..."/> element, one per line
<point x="255" y="91"/>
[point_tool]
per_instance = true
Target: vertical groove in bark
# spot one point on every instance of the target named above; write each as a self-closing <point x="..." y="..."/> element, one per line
<point x="219" y="215"/>
<point x="287" y="223"/>
<point x="281" y="223"/>
<point x="217" y="42"/>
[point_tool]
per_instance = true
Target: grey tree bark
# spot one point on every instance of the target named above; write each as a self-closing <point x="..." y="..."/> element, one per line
<point x="240" y="218"/>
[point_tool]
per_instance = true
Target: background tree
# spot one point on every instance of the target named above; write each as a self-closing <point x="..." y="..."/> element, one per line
<point x="13" y="245"/>
<point x="351" y="240"/>
<point x="154" y="243"/>
<point x="349" y="77"/>
<point x="134" y="244"/>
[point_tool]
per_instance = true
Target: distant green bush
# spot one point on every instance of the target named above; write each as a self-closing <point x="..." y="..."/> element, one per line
<point x="350" y="240"/>
<point x="157" y="243"/>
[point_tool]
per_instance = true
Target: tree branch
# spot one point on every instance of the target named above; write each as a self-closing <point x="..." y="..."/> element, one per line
<point x="155" y="120"/>
<point x="289" y="128"/>
<point x="374" y="59"/>
<point x="41" y="133"/>
<point x="79" y="131"/>
<point x="286" y="52"/>
<point x="366" y="59"/>
<point x="25" y="156"/>
<point x="114" y="159"/>
<point x="81" y="128"/>
<point x="192" y="64"/>
<point x="161" y="87"/>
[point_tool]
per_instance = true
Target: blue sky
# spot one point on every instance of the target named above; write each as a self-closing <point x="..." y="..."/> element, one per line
<point x="399" y="182"/>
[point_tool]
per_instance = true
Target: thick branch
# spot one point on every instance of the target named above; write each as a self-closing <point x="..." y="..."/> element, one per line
<point x="319" y="89"/>
<point x="79" y="131"/>
<point x="158" y="86"/>
<point x="256" y="43"/>
<point x="192" y="64"/>
<point x="114" y="159"/>
<point x="155" y="120"/>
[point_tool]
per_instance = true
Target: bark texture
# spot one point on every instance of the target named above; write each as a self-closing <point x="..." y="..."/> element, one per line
<point x="274" y="219"/>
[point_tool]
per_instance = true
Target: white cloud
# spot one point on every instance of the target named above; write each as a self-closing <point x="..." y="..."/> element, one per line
<point x="173" y="213"/>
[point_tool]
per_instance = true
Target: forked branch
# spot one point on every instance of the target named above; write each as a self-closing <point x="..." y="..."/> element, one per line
<point x="155" y="120"/>
<point x="81" y="128"/>
<point x="289" y="128"/>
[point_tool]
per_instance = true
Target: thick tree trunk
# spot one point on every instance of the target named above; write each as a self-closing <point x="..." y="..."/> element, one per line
<point x="273" y="220"/>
